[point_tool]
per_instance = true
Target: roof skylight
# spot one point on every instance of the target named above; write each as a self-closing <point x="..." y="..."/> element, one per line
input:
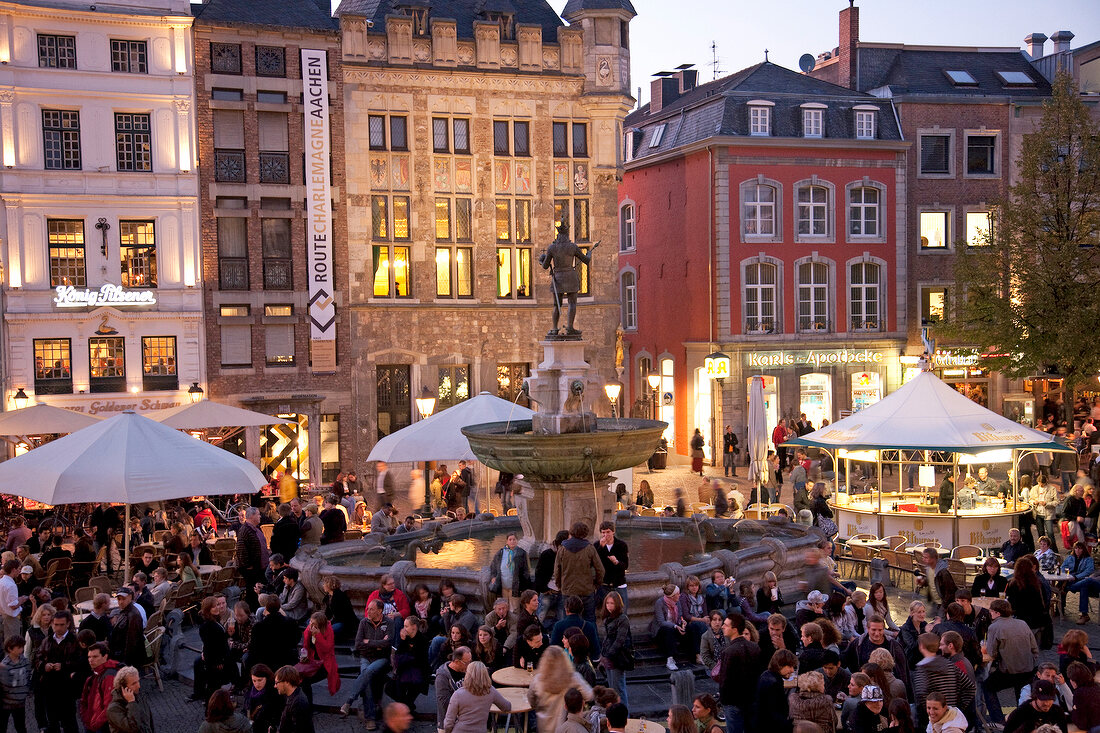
<point x="1016" y="78"/>
<point x="961" y="78"/>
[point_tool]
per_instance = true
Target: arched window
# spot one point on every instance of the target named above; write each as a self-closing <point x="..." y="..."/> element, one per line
<point x="813" y="296"/>
<point x="761" y="295"/>
<point x="864" y="306"/>
<point x="759" y="214"/>
<point x="626" y="228"/>
<point x="813" y="211"/>
<point x="864" y="211"/>
<point x="628" y="300"/>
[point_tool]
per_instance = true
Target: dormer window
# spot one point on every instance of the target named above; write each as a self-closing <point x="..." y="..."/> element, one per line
<point x="760" y="118"/>
<point x="866" y="122"/>
<point x="506" y="21"/>
<point x="658" y="134"/>
<point x="813" y="120"/>
<point x="418" y="11"/>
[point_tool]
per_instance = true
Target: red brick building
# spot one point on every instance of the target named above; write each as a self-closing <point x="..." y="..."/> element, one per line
<point x="964" y="110"/>
<point x="761" y="215"/>
<point x="250" y="115"/>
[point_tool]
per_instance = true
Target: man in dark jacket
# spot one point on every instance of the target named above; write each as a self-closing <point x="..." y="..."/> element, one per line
<point x="252" y="554"/>
<point x="615" y="557"/>
<point x="936" y="580"/>
<point x="274" y="639"/>
<point x="859" y="650"/>
<point x="373" y="642"/>
<point x="935" y="673"/>
<point x="96" y="695"/>
<point x="549" y="594"/>
<point x="56" y="662"/>
<point x="286" y="533"/>
<point x="739" y="670"/>
<point x="297" y="714"/>
<point x="578" y="570"/>
<point x="127" y="639"/>
<point x="574" y="606"/>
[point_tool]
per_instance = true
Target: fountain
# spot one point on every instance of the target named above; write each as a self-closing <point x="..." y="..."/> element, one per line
<point x="564" y="453"/>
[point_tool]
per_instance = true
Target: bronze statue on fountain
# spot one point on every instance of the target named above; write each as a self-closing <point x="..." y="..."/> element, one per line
<point x="565" y="281"/>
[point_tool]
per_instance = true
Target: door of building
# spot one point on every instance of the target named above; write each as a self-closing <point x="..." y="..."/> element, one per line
<point x="394" y="406"/>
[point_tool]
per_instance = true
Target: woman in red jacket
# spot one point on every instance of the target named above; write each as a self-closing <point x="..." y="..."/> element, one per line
<point x="319" y="659"/>
<point x="394" y="601"/>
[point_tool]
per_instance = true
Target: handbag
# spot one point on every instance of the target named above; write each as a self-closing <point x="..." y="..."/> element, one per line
<point x="828" y="526"/>
<point x="308" y="668"/>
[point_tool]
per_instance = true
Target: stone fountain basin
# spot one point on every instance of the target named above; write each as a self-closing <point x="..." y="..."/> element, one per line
<point x="617" y="443"/>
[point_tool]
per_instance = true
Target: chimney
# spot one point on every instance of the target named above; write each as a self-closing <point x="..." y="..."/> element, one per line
<point x="1035" y="42"/>
<point x="849" y="39"/>
<point x="663" y="91"/>
<point x="689" y="78"/>
<point x="1061" y="41"/>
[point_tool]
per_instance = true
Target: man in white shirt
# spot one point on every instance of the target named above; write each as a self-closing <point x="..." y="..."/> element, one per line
<point x="10" y="602"/>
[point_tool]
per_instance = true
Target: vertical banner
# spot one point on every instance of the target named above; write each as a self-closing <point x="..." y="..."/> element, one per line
<point x="322" y="292"/>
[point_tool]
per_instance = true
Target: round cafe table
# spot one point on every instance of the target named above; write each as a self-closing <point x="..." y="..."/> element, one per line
<point x="643" y="726"/>
<point x="974" y="563"/>
<point x="875" y="544"/>
<point x="209" y="569"/>
<point x="517" y="697"/>
<point x="89" y="606"/>
<point x="513" y="677"/>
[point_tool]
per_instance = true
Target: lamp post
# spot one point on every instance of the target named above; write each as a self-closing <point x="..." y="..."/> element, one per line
<point x="717" y="367"/>
<point x="425" y="405"/>
<point x="20" y="399"/>
<point x="654" y="380"/>
<point x="195" y="392"/>
<point x="612" y="389"/>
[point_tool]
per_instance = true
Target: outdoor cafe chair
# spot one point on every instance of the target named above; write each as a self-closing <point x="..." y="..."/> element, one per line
<point x="513" y="512"/>
<point x="102" y="584"/>
<point x="153" y="638"/>
<point x="57" y="572"/>
<point x="895" y="541"/>
<point x="87" y="593"/>
<point x="965" y="551"/>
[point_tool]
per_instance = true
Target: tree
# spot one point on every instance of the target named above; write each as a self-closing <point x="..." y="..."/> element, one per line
<point x="1028" y="293"/>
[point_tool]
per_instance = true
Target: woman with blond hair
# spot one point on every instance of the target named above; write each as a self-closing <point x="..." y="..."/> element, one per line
<point x="809" y="702"/>
<point x="468" y="710"/>
<point x="555" y="675"/>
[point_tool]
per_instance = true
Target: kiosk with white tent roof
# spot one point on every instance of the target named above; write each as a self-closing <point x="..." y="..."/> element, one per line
<point x="920" y="433"/>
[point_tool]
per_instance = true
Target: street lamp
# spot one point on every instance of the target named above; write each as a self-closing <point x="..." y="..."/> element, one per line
<point x="654" y="380"/>
<point x="195" y="392"/>
<point x="20" y="399"/>
<point x="613" y="389"/>
<point x="425" y="405"/>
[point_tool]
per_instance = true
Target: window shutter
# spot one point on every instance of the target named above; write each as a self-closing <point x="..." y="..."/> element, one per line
<point x="228" y="129"/>
<point x="236" y="345"/>
<point x="280" y="343"/>
<point x="273" y="131"/>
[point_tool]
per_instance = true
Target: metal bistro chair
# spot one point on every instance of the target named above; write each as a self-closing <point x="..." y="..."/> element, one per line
<point x="895" y="541"/>
<point x="153" y="637"/>
<point x="84" y="594"/>
<point x="964" y="551"/>
<point x="102" y="584"/>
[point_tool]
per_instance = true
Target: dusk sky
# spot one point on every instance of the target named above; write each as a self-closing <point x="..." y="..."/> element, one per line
<point x="668" y="33"/>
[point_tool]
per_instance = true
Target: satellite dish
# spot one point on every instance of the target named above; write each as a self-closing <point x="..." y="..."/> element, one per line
<point x="806" y="62"/>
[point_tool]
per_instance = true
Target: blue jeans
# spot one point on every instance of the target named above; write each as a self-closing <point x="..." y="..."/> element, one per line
<point x="362" y="685"/>
<point x="735" y="719"/>
<point x="616" y="678"/>
<point x="433" y="649"/>
<point x="1086" y="588"/>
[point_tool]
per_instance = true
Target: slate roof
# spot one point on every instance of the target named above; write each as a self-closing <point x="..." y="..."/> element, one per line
<point x="720" y="108"/>
<point x="534" y="12"/>
<point x="576" y="6"/>
<point x="281" y="13"/>
<point x="916" y="71"/>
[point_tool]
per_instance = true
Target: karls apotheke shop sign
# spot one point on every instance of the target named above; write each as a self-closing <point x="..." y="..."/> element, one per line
<point x="813" y="357"/>
<point x="322" y="293"/>
<point x="67" y="296"/>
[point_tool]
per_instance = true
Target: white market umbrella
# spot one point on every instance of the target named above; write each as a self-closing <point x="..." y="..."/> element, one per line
<point x="126" y="459"/>
<point x="209" y="414"/>
<point x="43" y="419"/>
<point x="757" y="445"/>
<point x="440" y="438"/>
<point x="928" y="414"/>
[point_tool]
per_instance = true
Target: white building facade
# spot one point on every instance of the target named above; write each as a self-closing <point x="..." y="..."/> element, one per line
<point x="102" y="291"/>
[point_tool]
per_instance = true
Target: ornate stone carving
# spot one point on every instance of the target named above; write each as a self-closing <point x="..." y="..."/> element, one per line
<point x="465" y="54"/>
<point x="508" y="56"/>
<point x="376" y="49"/>
<point x="7" y="96"/>
<point x="422" y="52"/>
<point x="183" y="106"/>
<point x="550" y="59"/>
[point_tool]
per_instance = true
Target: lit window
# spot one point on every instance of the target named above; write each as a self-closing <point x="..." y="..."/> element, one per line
<point x="977" y="228"/>
<point x="158" y="363"/>
<point x="453" y="272"/>
<point x="454" y="386"/>
<point x="933" y="229"/>
<point x="66" y="248"/>
<point x="933" y="304"/>
<point x="53" y="366"/>
<point x="514" y="272"/>
<point x="138" y="251"/>
<point x="392" y="271"/>
<point x="107" y="363"/>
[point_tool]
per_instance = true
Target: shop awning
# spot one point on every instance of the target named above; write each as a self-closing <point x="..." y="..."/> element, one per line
<point x="927" y="414"/>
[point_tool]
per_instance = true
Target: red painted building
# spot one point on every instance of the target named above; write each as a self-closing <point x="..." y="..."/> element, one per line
<point x="761" y="215"/>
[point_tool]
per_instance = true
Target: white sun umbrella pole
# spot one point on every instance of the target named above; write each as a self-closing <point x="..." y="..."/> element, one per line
<point x="757" y="435"/>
